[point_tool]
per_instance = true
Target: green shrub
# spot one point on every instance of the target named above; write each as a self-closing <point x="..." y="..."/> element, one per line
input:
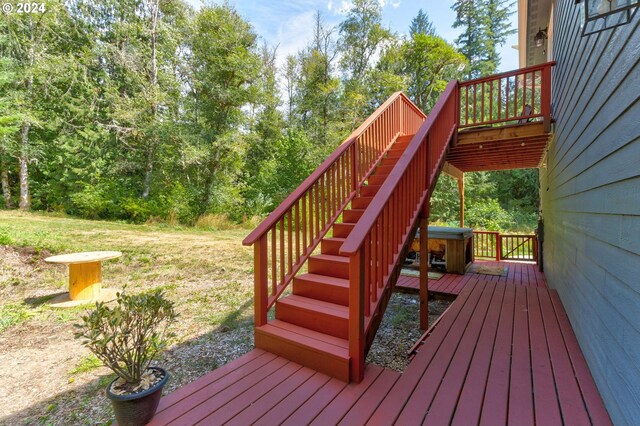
<point x="127" y="337"/>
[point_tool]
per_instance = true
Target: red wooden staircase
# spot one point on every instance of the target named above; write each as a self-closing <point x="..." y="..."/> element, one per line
<point x="341" y="236"/>
<point x="312" y="324"/>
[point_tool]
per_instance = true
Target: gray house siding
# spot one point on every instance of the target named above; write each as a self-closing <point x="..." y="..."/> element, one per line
<point x="590" y="190"/>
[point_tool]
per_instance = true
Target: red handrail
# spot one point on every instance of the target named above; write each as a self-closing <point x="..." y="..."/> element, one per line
<point x="501" y="98"/>
<point x="375" y="242"/>
<point x="288" y="236"/>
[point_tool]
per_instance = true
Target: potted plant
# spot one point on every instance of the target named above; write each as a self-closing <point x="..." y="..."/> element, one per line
<point x="126" y="338"/>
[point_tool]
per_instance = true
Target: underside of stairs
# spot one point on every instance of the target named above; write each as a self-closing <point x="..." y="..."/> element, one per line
<point x="311" y="324"/>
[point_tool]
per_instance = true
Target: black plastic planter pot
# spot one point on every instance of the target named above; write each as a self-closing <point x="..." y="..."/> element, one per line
<point x="137" y="409"/>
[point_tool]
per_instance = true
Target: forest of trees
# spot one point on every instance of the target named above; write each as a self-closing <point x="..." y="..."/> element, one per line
<point x="149" y="109"/>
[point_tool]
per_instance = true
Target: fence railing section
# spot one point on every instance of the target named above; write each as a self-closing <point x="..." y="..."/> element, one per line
<point x="507" y="98"/>
<point x="288" y="236"/>
<point x="493" y="245"/>
<point x="375" y="242"/>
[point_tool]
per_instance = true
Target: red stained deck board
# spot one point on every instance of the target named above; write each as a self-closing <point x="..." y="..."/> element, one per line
<point x="257" y="408"/>
<point x="287" y="406"/>
<point x="520" y="398"/>
<point x="468" y="328"/>
<point x="202" y="394"/>
<point x="592" y="399"/>
<point x="274" y="385"/>
<point x="391" y="407"/>
<point x="469" y="407"/>
<point x="569" y="395"/>
<point x="203" y="381"/>
<point x="211" y="402"/>
<point x="478" y="340"/>
<point x="334" y="411"/>
<point x="496" y="399"/>
<point x="314" y="405"/>
<point x="547" y="410"/>
<point x="363" y="409"/>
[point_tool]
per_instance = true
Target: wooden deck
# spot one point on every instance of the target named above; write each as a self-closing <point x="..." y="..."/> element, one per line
<point x="501" y="354"/>
<point x="518" y="273"/>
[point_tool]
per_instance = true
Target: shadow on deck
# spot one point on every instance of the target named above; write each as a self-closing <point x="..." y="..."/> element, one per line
<point x="517" y="273"/>
<point x="504" y="352"/>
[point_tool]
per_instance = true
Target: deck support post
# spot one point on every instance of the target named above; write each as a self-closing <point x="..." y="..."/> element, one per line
<point x="261" y="282"/>
<point x="424" y="270"/>
<point x="461" y="191"/>
<point x="356" y="316"/>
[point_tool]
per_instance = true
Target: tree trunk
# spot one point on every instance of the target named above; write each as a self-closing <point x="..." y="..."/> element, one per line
<point x="4" y="178"/>
<point x="25" y="196"/>
<point x="151" y="149"/>
<point x="6" y="192"/>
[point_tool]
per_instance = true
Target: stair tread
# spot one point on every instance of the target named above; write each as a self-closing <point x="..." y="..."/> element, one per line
<point x="331" y="257"/>
<point x="324" y="279"/>
<point x="316" y="305"/>
<point x="337" y="239"/>
<point x="310" y="338"/>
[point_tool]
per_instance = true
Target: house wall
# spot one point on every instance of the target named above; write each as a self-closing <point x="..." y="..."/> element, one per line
<point x="590" y="192"/>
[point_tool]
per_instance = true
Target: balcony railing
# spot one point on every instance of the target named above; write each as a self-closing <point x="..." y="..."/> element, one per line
<point x="516" y="96"/>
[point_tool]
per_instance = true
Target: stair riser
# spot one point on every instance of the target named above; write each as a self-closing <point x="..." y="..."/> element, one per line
<point x="342" y="230"/>
<point x="301" y="354"/>
<point x="330" y="247"/>
<point x="321" y="291"/>
<point x="329" y="268"/>
<point x="370" y="191"/>
<point x="377" y="179"/>
<point x="384" y="169"/>
<point x="352" y="216"/>
<point x="361" y="202"/>
<point x="311" y="319"/>
<point x="395" y="153"/>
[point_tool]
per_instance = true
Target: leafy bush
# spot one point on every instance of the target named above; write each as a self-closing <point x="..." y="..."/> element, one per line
<point x="487" y="214"/>
<point x="127" y="337"/>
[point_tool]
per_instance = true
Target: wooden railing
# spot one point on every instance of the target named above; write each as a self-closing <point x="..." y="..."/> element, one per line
<point x="507" y="98"/>
<point x="486" y="245"/>
<point x="375" y="242"/>
<point x="493" y="245"/>
<point x="288" y="236"/>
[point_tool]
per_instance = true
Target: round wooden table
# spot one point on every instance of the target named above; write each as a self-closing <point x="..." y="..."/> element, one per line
<point x="85" y="277"/>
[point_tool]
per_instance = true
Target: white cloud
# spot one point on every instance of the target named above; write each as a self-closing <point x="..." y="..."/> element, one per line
<point x="330" y="5"/>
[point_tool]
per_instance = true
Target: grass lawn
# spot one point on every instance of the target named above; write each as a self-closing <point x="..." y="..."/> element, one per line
<point x="48" y="377"/>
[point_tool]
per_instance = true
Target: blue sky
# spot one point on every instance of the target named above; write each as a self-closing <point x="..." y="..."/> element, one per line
<point x="289" y="23"/>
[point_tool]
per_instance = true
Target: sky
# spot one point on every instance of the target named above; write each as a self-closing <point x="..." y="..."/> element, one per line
<point x="289" y="23"/>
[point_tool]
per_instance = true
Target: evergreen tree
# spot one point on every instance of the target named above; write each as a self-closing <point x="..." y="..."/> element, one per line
<point x="421" y="24"/>
<point x="485" y="27"/>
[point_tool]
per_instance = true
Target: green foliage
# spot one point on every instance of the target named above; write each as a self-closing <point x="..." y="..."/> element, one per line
<point x="153" y="111"/>
<point x="127" y="337"/>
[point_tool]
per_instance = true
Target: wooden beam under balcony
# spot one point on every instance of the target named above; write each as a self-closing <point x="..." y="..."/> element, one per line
<point x="502" y="148"/>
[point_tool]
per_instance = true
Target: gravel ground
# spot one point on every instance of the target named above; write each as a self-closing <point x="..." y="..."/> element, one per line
<point x="400" y="329"/>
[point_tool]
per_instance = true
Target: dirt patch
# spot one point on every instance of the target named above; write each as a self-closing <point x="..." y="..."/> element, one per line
<point x="400" y="330"/>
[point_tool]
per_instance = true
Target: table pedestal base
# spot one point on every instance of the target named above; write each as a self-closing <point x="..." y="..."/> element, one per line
<point x="64" y="301"/>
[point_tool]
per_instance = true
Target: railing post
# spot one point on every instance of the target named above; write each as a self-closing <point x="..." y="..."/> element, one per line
<point x="424" y="270"/>
<point x="261" y="284"/>
<point x="356" y="315"/>
<point x="498" y="246"/>
<point x="546" y="98"/>
<point x="354" y="166"/>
